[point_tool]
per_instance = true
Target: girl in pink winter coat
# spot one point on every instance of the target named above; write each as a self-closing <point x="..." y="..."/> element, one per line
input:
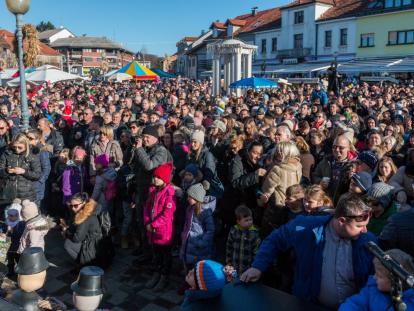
<point x="158" y="220"/>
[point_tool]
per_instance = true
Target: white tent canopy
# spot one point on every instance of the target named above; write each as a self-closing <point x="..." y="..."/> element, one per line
<point x="46" y="73"/>
<point x="119" y="77"/>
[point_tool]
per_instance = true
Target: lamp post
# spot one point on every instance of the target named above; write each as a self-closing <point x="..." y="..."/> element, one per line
<point x="19" y="8"/>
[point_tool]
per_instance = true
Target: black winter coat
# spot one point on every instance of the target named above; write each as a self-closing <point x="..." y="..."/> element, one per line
<point x="244" y="180"/>
<point x="207" y="165"/>
<point x="56" y="140"/>
<point x="19" y="186"/>
<point x="89" y="235"/>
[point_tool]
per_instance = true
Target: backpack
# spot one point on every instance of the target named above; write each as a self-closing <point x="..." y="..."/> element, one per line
<point x="110" y="190"/>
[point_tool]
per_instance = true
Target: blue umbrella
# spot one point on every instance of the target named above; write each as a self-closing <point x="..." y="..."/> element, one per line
<point x="253" y="83"/>
<point x="162" y="73"/>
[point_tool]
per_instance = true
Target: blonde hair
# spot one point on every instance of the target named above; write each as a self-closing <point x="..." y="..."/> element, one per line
<point x="237" y="142"/>
<point x="21" y="138"/>
<point x="317" y="193"/>
<point x="108" y="131"/>
<point x="284" y="151"/>
<point x="393" y="168"/>
<point x="302" y="144"/>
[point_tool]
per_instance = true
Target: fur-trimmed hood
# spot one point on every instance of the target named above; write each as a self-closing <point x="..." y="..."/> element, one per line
<point x="88" y="210"/>
<point x="40" y="223"/>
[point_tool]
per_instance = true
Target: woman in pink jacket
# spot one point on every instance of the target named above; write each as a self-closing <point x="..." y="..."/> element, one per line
<point x="158" y="220"/>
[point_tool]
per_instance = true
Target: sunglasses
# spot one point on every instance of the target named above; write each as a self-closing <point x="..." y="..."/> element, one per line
<point x="360" y="218"/>
<point x="75" y="205"/>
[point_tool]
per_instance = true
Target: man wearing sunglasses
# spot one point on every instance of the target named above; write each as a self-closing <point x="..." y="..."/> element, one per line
<point x="331" y="260"/>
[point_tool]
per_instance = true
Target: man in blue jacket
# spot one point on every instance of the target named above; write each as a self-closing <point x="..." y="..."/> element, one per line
<point x="331" y="260"/>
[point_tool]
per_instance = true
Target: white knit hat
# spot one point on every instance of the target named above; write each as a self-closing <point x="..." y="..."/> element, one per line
<point x="29" y="210"/>
<point x="198" y="136"/>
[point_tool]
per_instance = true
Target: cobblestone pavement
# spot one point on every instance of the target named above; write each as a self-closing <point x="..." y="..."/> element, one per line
<point x="124" y="281"/>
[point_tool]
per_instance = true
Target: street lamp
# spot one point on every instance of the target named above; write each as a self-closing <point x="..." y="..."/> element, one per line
<point x="19" y="8"/>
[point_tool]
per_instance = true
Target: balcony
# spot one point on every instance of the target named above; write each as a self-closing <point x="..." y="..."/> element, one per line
<point x="294" y="53"/>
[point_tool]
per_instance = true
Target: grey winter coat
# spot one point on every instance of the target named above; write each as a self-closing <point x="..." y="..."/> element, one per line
<point x="113" y="149"/>
<point x="145" y="160"/>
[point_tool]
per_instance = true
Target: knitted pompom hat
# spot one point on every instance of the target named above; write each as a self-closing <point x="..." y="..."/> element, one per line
<point x="164" y="172"/>
<point x="209" y="275"/>
<point x="29" y="210"/>
<point x="198" y="191"/>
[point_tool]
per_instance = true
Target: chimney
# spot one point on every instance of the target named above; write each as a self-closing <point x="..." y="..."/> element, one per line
<point x="254" y="10"/>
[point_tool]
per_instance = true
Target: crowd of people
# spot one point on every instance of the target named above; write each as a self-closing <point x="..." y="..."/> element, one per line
<point x="285" y="184"/>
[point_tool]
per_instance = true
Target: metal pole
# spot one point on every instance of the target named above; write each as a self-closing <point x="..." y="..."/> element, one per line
<point x="23" y="93"/>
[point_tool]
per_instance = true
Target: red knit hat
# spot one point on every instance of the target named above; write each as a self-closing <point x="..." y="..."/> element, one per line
<point x="164" y="172"/>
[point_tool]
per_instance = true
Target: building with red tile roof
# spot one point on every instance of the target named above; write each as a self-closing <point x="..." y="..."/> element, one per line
<point x="47" y="55"/>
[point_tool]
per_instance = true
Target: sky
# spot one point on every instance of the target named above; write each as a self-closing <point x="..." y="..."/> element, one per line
<point x="153" y="25"/>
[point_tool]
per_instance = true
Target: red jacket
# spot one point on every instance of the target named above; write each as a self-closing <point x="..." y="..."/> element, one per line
<point x="159" y="212"/>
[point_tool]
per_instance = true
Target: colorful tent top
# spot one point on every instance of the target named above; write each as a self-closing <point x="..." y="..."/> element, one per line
<point x="163" y="74"/>
<point x="138" y="71"/>
<point x="253" y="83"/>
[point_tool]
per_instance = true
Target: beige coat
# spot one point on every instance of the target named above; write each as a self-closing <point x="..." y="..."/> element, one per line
<point x="113" y="149"/>
<point x="280" y="177"/>
<point x="34" y="233"/>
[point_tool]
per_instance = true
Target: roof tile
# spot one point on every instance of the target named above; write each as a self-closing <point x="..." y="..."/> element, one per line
<point x="44" y="49"/>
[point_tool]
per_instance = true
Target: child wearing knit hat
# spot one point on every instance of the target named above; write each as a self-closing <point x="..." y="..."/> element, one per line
<point x="207" y="280"/>
<point x="13" y="228"/>
<point x="158" y="219"/>
<point x="198" y="233"/>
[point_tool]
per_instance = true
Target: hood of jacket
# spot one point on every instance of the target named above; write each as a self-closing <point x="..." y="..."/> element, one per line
<point x="292" y="165"/>
<point x="209" y="203"/>
<point x="40" y="223"/>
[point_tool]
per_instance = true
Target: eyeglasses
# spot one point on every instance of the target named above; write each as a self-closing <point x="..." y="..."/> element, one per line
<point x="360" y="218"/>
<point x="74" y="205"/>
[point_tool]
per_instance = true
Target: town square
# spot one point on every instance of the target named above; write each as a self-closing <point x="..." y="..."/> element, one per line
<point x="222" y="155"/>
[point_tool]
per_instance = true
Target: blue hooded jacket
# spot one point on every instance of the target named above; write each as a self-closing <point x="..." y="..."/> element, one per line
<point x="305" y="235"/>
<point x="370" y="298"/>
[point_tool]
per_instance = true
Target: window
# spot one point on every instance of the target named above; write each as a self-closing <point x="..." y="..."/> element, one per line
<point x="274" y="44"/>
<point x="401" y="37"/>
<point x="299" y="17"/>
<point x="87" y="50"/>
<point x="264" y="48"/>
<point x="298" y="41"/>
<point x="88" y="59"/>
<point x="328" y="38"/>
<point x="343" y="37"/>
<point x="367" y="40"/>
<point x="398" y="3"/>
